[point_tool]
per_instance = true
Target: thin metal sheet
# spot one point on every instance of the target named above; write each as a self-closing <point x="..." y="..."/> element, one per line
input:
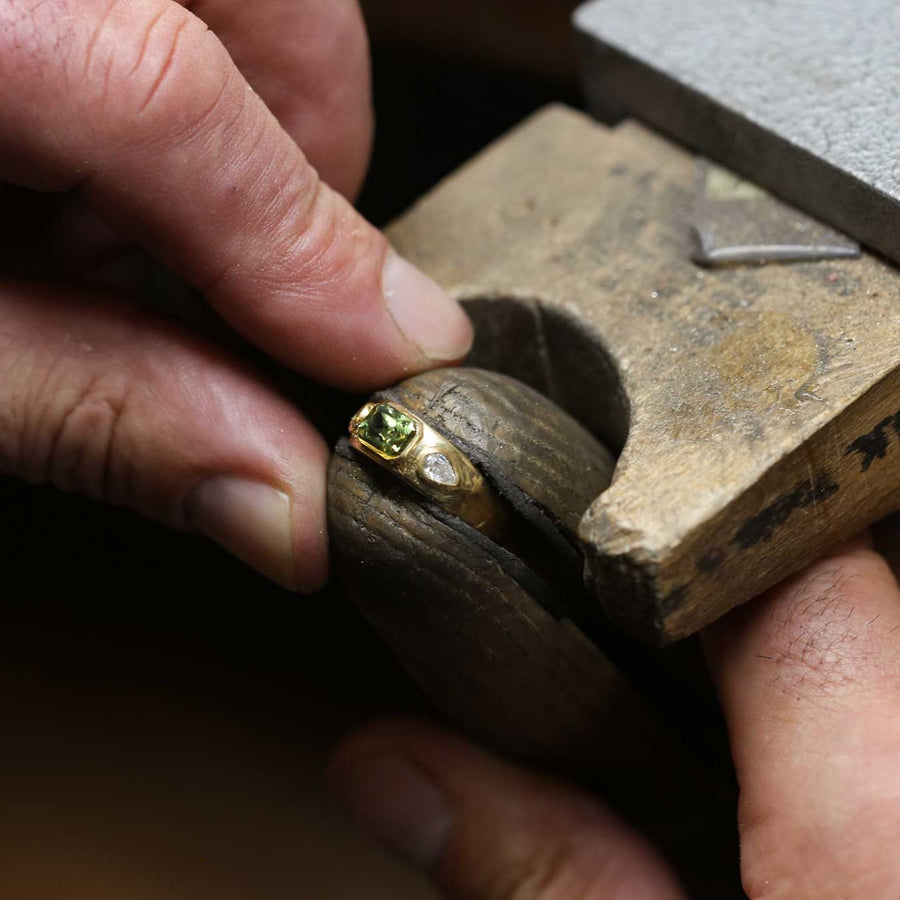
<point x="801" y="96"/>
<point x="737" y="223"/>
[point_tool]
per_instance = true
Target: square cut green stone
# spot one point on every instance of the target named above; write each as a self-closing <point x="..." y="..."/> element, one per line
<point x="386" y="430"/>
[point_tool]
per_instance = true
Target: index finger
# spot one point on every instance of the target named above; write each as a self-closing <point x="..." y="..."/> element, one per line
<point x="139" y="106"/>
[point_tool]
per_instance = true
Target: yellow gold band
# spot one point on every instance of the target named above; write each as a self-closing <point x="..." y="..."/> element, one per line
<point x="399" y="441"/>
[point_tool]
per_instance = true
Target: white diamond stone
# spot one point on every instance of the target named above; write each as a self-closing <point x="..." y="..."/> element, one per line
<point x="439" y="470"/>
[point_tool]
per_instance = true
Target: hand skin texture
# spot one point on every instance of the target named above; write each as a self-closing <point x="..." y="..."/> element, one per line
<point x="809" y="680"/>
<point x="222" y="138"/>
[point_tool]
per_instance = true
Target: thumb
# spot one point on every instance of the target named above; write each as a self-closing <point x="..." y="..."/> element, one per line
<point x="488" y="830"/>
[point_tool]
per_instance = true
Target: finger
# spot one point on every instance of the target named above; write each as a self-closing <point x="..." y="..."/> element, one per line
<point x="308" y="60"/>
<point x="488" y="830"/>
<point x="114" y="405"/>
<point x="810" y="684"/>
<point x="137" y="104"/>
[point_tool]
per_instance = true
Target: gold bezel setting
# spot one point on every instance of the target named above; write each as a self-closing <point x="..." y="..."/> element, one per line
<point x="427" y="461"/>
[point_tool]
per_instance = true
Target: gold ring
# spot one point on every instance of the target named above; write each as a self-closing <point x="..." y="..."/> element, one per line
<point x="399" y="441"/>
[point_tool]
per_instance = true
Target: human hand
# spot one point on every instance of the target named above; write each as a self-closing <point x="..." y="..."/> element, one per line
<point x="809" y="682"/>
<point x="179" y="131"/>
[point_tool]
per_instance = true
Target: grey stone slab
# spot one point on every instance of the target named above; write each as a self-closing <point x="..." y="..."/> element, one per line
<point x="802" y="96"/>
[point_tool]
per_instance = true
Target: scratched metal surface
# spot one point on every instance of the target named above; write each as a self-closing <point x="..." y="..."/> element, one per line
<point x="802" y="96"/>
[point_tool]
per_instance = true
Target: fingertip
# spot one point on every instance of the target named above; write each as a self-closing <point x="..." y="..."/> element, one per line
<point x="269" y="529"/>
<point x="270" y="512"/>
<point x="487" y="829"/>
<point x="381" y="774"/>
<point x="397" y="802"/>
<point x="250" y="519"/>
<point x="424" y="313"/>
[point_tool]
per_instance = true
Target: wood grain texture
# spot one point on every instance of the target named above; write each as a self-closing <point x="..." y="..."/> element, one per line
<point x="459" y="613"/>
<point x="758" y="406"/>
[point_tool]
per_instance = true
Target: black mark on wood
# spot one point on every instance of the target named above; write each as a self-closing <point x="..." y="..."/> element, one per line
<point x="763" y="525"/>
<point x="674" y="598"/>
<point x="875" y="444"/>
<point x="711" y="560"/>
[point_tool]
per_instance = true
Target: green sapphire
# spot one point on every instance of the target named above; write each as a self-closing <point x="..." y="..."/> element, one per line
<point x="386" y="430"/>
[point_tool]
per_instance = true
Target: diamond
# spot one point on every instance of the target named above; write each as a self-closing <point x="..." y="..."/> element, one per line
<point x="439" y="470"/>
<point x="386" y="430"/>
